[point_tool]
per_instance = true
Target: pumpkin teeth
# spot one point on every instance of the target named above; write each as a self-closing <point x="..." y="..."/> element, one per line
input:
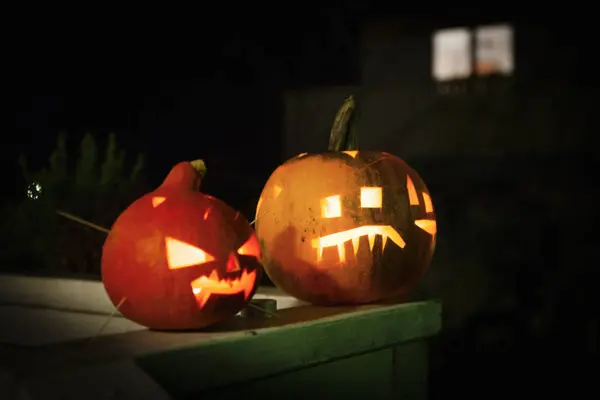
<point x="341" y="252"/>
<point x="371" y="241"/>
<point x="353" y="236"/>
<point x="355" y="242"/>
<point x="205" y="286"/>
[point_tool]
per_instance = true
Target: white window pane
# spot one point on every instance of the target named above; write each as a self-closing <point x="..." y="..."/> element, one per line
<point x="452" y="54"/>
<point x="494" y="50"/>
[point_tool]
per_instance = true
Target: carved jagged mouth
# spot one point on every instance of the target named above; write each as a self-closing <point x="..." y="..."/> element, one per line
<point x="371" y="231"/>
<point x="205" y="286"/>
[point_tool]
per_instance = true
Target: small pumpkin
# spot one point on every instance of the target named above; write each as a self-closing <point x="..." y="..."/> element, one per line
<point x="345" y="226"/>
<point x="179" y="259"/>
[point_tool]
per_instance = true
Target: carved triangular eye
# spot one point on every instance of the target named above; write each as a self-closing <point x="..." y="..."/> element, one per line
<point x="181" y="254"/>
<point x="428" y="203"/>
<point x="157" y="201"/>
<point x="428" y="225"/>
<point x="413" y="198"/>
<point x="250" y="248"/>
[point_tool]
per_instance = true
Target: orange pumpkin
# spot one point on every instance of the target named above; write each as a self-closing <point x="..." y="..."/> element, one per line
<point x="345" y="227"/>
<point x="179" y="259"/>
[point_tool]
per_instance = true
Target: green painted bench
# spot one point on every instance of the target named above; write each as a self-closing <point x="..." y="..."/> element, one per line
<point x="378" y="351"/>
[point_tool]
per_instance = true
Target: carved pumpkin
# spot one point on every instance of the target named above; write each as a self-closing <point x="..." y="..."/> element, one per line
<point x="180" y="259"/>
<point x="345" y="227"/>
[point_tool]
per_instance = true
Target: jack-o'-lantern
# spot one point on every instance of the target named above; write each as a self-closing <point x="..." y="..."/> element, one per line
<point x="345" y="227"/>
<point x="179" y="259"/>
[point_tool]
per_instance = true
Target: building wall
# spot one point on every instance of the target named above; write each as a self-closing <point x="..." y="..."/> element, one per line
<point x="538" y="111"/>
<point x="416" y="123"/>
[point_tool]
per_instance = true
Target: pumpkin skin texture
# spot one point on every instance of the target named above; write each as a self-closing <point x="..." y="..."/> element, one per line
<point x="346" y="227"/>
<point x="177" y="259"/>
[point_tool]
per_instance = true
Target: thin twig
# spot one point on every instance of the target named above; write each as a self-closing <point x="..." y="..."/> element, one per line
<point x="110" y="317"/>
<point x="264" y="310"/>
<point x="257" y="218"/>
<point x="82" y="221"/>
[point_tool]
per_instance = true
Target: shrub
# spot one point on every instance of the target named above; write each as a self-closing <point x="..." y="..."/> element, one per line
<point x="34" y="238"/>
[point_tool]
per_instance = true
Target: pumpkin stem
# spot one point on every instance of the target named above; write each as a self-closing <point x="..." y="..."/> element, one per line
<point x="343" y="134"/>
<point x="186" y="174"/>
<point x="199" y="166"/>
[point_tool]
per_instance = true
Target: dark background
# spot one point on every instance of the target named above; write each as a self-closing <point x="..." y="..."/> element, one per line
<point x="515" y="259"/>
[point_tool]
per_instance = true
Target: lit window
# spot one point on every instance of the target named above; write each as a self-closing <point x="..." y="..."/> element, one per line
<point x="494" y="50"/>
<point x="455" y="58"/>
<point x="452" y="54"/>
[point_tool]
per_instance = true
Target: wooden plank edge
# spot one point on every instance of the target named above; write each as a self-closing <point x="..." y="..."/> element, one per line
<point x="272" y="351"/>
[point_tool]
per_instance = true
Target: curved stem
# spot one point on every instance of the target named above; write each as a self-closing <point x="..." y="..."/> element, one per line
<point x="343" y="133"/>
<point x="199" y="166"/>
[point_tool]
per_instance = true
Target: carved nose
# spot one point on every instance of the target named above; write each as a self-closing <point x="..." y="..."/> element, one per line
<point x="233" y="265"/>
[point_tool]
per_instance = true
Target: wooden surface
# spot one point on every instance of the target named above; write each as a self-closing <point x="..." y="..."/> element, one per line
<point x="364" y="376"/>
<point x="371" y="350"/>
<point x="301" y="338"/>
<point x="303" y="344"/>
<point x="398" y="372"/>
<point x="85" y="296"/>
<point x="46" y="310"/>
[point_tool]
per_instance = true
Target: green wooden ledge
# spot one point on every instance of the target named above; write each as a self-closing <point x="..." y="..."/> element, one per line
<point x="301" y="338"/>
<point x="376" y="351"/>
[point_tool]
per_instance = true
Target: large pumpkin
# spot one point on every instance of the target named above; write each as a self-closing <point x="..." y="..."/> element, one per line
<point x="345" y="227"/>
<point x="180" y="259"/>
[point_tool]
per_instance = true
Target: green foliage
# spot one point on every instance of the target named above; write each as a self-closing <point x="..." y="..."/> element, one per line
<point x="34" y="238"/>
